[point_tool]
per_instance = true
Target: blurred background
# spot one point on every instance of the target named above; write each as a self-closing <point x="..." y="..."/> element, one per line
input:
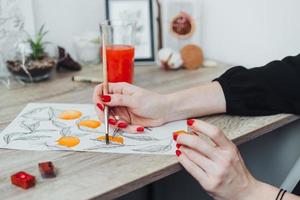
<point x="248" y="33"/>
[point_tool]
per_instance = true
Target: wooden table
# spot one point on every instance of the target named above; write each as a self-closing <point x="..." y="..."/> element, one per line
<point x="84" y="175"/>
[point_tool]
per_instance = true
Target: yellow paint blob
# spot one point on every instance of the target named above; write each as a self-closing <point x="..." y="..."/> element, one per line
<point x="70" y="114"/>
<point x="117" y="139"/>
<point x="180" y="132"/>
<point x="68" y="141"/>
<point x="90" y="123"/>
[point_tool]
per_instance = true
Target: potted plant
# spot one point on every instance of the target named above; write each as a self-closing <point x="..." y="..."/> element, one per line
<point x="36" y="65"/>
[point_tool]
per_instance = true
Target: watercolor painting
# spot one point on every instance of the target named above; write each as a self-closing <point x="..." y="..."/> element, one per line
<point x="75" y="127"/>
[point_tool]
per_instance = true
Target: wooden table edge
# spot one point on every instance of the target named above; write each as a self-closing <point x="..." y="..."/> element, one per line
<point x="136" y="184"/>
<point x="266" y="129"/>
<point x="175" y="167"/>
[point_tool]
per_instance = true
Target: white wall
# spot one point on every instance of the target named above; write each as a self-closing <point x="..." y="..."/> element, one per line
<point x="251" y="32"/>
<point x="247" y="32"/>
<point x="67" y="18"/>
<point x="26" y="7"/>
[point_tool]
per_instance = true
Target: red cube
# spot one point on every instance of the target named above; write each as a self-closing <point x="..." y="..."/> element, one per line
<point x="47" y="169"/>
<point x="23" y="180"/>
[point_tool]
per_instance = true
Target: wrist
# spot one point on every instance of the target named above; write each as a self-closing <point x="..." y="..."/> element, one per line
<point x="250" y="190"/>
<point x="258" y="190"/>
<point x="203" y="100"/>
<point x="171" y="104"/>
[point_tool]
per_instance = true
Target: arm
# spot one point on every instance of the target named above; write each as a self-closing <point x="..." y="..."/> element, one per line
<point x="271" y="89"/>
<point x="194" y="102"/>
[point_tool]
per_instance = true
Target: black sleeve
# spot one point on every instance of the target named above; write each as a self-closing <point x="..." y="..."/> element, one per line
<point x="271" y="89"/>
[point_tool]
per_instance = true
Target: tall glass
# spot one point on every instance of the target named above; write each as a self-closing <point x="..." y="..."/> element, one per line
<point x="119" y="37"/>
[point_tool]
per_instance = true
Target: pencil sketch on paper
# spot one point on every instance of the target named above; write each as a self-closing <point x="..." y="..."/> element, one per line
<point x="75" y="127"/>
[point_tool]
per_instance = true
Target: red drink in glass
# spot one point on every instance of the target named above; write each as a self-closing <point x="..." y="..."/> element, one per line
<point x="120" y="63"/>
<point x="118" y="36"/>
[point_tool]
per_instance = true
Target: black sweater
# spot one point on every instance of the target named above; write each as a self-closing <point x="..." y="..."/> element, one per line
<point x="271" y="89"/>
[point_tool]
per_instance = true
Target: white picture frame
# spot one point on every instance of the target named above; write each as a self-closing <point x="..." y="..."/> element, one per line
<point x="142" y="11"/>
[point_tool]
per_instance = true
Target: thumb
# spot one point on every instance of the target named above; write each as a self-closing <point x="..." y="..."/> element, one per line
<point x="120" y="100"/>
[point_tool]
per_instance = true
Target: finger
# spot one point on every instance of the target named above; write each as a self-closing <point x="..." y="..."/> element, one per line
<point x="99" y="106"/>
<point x="211" y="131"/>
<point x="125" y="126"/>
<point x="119" y="100"/>
<point x="198" y="144"/>
<point x="100" y="113"/>
<point x="121" y="88"/>
<point x="97" y="93"/>
<point x="206" y="164"/>
<point x="111" y="121"/>
<point x="192" y="168"/>
<point x="122" y="124"/>
<point x="134" y="129"/>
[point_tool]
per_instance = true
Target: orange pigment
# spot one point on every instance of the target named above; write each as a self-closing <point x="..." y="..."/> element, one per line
<point x="68" y="141"/>
<point x="117" y="139"/>
<point x="180" y="132"/>
<point x="90" y="123"/>
<point x="70" y="114"/>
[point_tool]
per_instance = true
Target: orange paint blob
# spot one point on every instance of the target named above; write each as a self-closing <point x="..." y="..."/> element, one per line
<point x="70" y="114"/>
<point x="179" y="132"/>
<point x="68" y="141"/>
<point x="90" y="123"/>
<point x="117" y="139"/>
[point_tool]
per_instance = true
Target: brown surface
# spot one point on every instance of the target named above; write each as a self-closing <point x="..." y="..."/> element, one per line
<point x="83" y="175"/>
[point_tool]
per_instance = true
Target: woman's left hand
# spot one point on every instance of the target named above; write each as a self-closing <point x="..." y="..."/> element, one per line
<point x="216" y="165"/>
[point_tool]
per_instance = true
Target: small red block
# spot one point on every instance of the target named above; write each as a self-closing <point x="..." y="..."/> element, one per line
<point x="47" y="169"/>
<point x="23" y="180"/>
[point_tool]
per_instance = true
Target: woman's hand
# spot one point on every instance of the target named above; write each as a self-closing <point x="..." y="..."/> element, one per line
<point x="134" y="107"/>
<point x="217" y="165"/>
<point x="137" y="108"/>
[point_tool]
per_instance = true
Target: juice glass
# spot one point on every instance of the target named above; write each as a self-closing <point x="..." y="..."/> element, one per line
<point x="119" y="50"/>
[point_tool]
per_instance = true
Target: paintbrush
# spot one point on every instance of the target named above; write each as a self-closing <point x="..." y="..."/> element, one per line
<point x="105" y="86"/>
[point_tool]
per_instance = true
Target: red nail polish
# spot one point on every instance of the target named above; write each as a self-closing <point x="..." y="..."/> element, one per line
<point x="175" y="135"/>
<point x="190" y="122"/>
<point x="140" y="129"/>
<point x="178" y="153"/>
<point x="106" y="98"/>
<point x="112" y="121"/>
<point x="178" y="146"/>
<point x="100" y="106"/>
<point x="122" y="125"/>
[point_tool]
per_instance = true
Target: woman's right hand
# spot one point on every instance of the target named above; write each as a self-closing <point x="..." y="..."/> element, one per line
<point x="135" y="107"/>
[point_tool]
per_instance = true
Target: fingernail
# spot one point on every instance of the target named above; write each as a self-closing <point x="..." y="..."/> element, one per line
<point x="100" y="106"/>
<point x="190" y="122"/>
<point x="112" y="121"/>
<point x="105" y="98"/>
<point x="140" y="129"/>
<point x="178" y="146"/>
<point x="122" y="125"/>
<point x="175" y="135"/>
<point x="178" y="153"/>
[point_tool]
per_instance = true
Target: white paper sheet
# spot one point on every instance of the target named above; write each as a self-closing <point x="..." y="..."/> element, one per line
<point x="39" y="127"/>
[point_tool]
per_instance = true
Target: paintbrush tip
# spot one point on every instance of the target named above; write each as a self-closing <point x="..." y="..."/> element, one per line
<point x="107" y="139"/>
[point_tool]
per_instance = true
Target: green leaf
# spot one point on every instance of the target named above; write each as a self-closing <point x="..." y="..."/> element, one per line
<point x="37" y="44"/>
